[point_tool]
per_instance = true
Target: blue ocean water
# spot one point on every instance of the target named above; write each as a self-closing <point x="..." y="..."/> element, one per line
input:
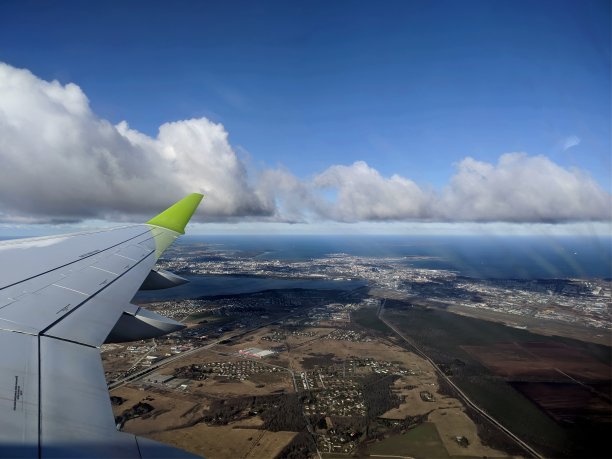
<point x="518" y="257"/>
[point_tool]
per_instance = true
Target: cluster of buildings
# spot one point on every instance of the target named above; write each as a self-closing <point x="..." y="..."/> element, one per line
<point x="583" y="301"/>
<point x="166" y="381"/>
<point x="255" y="352"/>
<point x="336" y="442"/>
<point x="331" y="315"/>
<point x="341" y="397"/>
<point x="577" y="301"/>
<point x="341" y="334"/>
<point x="278" y="336"/>
<point x="236" y="370"/>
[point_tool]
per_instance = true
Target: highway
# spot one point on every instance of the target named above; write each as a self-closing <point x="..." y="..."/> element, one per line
<point x="458" y="391"/>
<point x="139" y="374"/>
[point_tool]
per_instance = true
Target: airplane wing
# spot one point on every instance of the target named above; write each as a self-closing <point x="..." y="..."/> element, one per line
<point x="61" y="297"/>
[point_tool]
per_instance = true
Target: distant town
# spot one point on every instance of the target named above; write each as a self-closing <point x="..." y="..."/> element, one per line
<point x="574" y="301"/>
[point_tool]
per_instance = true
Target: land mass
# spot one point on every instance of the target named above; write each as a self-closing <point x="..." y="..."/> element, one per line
<point x="382" y="370"/>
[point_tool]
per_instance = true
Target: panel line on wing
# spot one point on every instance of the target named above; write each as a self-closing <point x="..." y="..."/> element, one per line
<point x="75" y="261"/>
<point x="95" y="293"/>
<point x="71" y="341"/>
<point x="105" y="270"/>
<point x="18" y="329"/>
<point x="123" y="256"/>
<point x="71" y="289"/>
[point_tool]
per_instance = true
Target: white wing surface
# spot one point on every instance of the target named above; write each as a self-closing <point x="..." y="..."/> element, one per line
<point x="61" y="298"/>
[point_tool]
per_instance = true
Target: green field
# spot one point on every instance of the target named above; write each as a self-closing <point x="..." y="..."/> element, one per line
<point x="421" y="442"/>
<point x="209" y="318"/>
<point x="367" y="317"/>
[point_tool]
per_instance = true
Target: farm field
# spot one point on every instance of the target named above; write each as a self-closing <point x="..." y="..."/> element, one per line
<point x="566" y="402"/>
<point x="484" y="358"/>
<point x="227" y="442"/>
<point x="550" y="360"/>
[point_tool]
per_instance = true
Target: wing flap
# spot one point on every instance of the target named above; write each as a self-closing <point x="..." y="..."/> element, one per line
<point x="92" y="321"/>
<point x="150" y="449"/>
<point x="75" y="411"/>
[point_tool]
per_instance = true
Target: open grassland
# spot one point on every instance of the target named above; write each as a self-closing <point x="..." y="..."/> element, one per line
<point x="227" y="442"/>
<point x="171" y="410"/>
<point x="176" y="420"/>
<point x="413" y="404"/>
<point x="454" y="422"/>
<point x="421" y="442"/>
<point x="257" y="385"/>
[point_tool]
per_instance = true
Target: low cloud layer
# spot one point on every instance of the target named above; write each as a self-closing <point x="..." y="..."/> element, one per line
<point x="60" y="162"/>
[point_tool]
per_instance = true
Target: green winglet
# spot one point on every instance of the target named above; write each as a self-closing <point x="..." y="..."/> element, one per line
<point x="177" y="216"/>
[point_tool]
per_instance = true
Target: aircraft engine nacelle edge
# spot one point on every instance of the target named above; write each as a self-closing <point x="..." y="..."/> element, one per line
<point x="143" y="324"/>
<point x="159" y="279"/>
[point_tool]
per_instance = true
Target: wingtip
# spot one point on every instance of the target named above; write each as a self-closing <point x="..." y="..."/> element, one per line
<point x="177" y="216"/>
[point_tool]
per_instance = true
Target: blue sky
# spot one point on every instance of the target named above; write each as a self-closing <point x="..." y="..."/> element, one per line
<point x="410" y="87"/>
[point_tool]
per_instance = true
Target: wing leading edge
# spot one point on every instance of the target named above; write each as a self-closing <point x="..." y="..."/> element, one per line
<point x="60" y="298"/>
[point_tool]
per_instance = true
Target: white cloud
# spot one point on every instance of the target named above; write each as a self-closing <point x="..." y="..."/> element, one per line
<point x="62" y="163"/>
<point x="363" y="194"/>
<point x="570" y="142"/>
<point x="521" y="188"/>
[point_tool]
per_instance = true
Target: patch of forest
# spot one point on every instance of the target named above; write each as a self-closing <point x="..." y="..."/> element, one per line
<point x="302" y="445"/>
<point x="135" y="411"/>
<point x="378" y="396"/>
<point x="279" y="412"/>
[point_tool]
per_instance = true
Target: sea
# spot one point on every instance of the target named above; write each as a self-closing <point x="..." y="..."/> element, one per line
<point x="483" y="257"/>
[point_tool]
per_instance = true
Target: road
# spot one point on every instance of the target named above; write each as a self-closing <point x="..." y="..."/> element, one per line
<point x="168" y="360"/>
<point x="139" y="374"/>
<point x="458" y="391"/>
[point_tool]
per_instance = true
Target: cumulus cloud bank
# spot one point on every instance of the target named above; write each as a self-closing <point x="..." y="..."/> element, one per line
<point x="521" y="188"/>
<point x="363" y="194"/>
<point x="61" y="162"/>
